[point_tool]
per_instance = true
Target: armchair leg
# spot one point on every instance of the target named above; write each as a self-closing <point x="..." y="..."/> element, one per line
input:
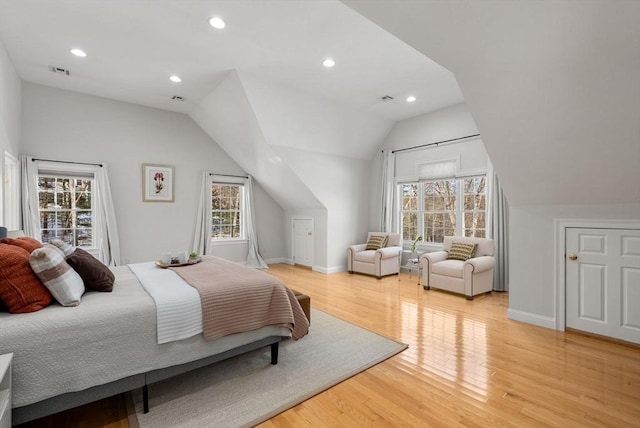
<point x="426" y="287"/>
<point x="469" y="297"/>
<point x="378" y="277"/>
<point x="350" y="271"/>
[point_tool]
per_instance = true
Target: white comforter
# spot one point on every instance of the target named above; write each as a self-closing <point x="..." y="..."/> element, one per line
<point x="179" y="310"/>
<point x="107" y="337"/>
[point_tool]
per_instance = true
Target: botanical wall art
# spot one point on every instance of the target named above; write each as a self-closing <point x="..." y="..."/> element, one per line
<point x="158" y="183"/>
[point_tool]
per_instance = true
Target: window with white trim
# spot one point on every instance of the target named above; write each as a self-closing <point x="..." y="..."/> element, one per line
<point x="434" y="209"/>
<point x="227" y="211"/>
<point x="65" y="206"/>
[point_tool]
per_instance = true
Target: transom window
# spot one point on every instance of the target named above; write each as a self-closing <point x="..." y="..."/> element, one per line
<point x="438" y="208"/>
<point x="65" y="206"/>
<point x="227" y="211"/>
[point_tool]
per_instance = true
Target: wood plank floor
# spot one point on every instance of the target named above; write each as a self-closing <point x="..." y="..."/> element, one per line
<point x="466" y="365"/>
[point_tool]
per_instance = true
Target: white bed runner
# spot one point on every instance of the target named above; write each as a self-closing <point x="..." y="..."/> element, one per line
<point x="179" y="311"/>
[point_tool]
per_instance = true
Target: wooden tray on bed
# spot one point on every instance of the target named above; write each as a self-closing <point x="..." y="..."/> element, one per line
<point x="189" y="262"/>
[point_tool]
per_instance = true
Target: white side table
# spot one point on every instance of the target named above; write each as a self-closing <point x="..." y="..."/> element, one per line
<point x="5" y="390"/>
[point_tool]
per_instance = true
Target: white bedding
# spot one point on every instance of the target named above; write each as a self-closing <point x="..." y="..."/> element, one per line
<point x="179" y="310"/>
<point x="109" y="336"/>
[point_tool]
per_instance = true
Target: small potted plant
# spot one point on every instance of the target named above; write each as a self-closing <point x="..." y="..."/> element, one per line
<point x="193" y="258"/>
<point x="414" y="246"/>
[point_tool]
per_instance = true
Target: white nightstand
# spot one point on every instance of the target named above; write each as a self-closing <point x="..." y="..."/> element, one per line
<point x="5" y="390"/>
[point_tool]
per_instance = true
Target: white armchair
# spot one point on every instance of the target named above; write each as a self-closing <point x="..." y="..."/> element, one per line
<point x="381" y="262"/>
<point x="470" y="277"/>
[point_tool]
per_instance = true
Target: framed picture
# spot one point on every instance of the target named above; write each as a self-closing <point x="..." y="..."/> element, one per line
<point x="157" y="183"/>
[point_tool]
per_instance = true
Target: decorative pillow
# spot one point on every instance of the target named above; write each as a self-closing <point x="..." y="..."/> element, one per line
<point x="376" y="242"/>
<point x="93" y="272"/>
<point x="25" y="242"/>
<point x="62" y="281"/>
<point x="460" y="251"/>
<point x="20" y="289"/>
<point x="66" y="248"/>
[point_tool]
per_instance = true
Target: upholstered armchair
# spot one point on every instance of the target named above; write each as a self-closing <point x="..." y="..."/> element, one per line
<point x="380" y="259"/>
<point x="459" y="269"/>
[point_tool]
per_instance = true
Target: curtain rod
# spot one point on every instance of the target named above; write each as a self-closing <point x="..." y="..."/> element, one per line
<point x="228" y="175"/>
<point x="59" y="161"/>
<point x="436" y="143"/>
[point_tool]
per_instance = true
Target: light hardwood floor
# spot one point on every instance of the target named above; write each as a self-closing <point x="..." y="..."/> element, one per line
<point x="466" y="365"/>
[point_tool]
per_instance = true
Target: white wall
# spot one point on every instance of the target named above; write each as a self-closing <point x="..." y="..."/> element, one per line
<point x="342" y="185"/>
<point x="10" y="115"/>
<point x="59" y="124"/>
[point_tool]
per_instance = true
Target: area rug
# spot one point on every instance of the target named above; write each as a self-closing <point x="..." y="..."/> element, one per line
<point x="246" y="390"/>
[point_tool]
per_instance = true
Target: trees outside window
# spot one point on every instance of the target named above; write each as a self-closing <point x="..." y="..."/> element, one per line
<point x="226" y="213"/>
<point x="439" y="208"/>
<point x="66" y="209"/>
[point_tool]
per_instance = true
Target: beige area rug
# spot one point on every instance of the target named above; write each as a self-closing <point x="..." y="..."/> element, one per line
<point x="247" y="390"/>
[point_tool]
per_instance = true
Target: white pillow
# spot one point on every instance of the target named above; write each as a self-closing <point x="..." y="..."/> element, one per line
<point x="61" y="280"/>
<point x="67" y="249"/>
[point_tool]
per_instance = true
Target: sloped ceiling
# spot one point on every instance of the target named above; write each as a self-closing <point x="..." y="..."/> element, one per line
<point x="553" y="86"/>
<point x="228" y="118"/>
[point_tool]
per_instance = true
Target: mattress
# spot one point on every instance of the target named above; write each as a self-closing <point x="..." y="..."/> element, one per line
<point x="109" y="336"/>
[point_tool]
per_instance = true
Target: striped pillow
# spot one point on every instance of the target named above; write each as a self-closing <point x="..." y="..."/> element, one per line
<point x="377" y="241"/>
<point x="61" y="280"/>
<point x="460" y="251"/>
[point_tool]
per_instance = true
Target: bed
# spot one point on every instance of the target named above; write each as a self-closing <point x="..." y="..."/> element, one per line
<point x="68" y="356"/>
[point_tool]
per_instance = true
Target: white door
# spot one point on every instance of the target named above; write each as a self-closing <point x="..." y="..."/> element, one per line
<point x="303" y="241"/>
<point x="603" y="282"/>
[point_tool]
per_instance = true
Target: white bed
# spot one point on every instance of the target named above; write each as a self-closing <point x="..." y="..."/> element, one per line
<point x="106" y="345"/>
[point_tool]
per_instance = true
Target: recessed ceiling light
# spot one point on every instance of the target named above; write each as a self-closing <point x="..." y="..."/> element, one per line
<point x="411" y="99"/>
<point x="328" y="63"/>
<point x="175" y="79"/>
<point x="78" y="52"/>
<point x="217" y="22"/>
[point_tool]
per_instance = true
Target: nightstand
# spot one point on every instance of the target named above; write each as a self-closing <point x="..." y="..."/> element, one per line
<point x="5" y="390"/>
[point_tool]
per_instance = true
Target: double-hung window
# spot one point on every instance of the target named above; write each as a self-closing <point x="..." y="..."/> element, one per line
<point x="66" y="208"/>
<point x="227" y="211"/>
<point x="434" y="209"/>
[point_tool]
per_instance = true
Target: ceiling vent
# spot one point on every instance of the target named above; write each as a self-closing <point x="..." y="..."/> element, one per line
<point x="386" y="98"/>
<point x="177" y="98"/>
<point x="59" y="70"/>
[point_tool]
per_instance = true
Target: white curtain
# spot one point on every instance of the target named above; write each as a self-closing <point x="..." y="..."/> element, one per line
<point x="254" y="259"/>
<point x="105" y="221"/>
<point x="498" y="224"/>
<point x="29" y="181"/>
<point x="105" y="229"/>
<point x="202" y="237"/>
<point x="388" y="190"/>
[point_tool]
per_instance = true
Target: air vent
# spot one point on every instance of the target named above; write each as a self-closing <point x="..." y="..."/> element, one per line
<point x="177" y="98"/>
<point x="386" y="98"/>
<point x="59" y="70"/>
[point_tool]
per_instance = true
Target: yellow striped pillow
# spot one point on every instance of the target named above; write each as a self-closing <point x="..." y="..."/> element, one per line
<point x="376" y="242"/>
<point x="460" y="251"/>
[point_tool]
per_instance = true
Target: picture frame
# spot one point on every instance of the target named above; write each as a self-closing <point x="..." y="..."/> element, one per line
<point x="158" y="183"/>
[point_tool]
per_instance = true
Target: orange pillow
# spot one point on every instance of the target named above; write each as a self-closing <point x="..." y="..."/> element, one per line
<point x="20" y="289"/>
<point x="25" y="242"/>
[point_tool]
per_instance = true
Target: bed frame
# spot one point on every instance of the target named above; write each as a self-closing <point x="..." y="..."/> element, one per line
<point x="143" y="380"/>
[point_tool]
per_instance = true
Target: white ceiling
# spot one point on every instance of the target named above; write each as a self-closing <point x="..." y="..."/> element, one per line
<point x="133" y="46"/>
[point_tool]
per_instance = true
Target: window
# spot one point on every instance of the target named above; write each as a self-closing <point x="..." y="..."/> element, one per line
<point x="227" y="211"/>
<point x="438" y="208"/>
<point x="66" y="209"/>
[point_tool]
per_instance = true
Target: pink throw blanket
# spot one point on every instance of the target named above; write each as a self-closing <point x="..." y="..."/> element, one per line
<point x="237" y="298"/>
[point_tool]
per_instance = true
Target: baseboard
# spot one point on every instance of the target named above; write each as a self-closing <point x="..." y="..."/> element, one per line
<point x="278" y="260"/>
<point x="539" y="320"/>
<point x="329" y="270"/>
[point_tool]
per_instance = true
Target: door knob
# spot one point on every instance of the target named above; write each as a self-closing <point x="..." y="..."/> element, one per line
<point x="572" y="256"/>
